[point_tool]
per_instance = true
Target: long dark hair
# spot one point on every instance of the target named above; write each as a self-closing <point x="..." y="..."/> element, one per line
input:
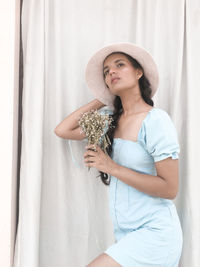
<point x="145" y="90"/>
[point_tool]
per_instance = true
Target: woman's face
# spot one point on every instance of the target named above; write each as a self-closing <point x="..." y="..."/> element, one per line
<point x="119" y="67"/>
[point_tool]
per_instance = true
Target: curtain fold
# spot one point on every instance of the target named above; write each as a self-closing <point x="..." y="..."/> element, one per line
<point x="33" y="100"/>
<point x="63" y="210"/>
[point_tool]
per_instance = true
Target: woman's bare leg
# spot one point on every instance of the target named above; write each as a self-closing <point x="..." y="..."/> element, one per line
<point x="104" y="260"/>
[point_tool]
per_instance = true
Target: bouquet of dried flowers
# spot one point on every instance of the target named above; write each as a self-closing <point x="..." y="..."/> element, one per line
<point x="95" y="127"/>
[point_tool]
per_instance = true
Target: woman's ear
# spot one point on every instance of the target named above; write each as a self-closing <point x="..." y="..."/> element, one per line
<point x="139" y="73"/>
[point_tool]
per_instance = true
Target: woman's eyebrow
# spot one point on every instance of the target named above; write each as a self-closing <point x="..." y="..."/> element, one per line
<point x="115" y="62"/>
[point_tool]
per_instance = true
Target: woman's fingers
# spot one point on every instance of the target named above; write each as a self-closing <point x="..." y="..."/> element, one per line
<point x="92" y="146"/>
<point x="89" y="153"/>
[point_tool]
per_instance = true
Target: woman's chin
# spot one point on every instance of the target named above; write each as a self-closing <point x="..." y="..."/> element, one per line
<point x="116" y="90"/>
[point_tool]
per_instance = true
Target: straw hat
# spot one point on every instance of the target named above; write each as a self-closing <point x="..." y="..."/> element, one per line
<point x="94" y="69"/>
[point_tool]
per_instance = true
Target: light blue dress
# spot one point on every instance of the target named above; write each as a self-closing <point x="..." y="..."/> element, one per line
<point x="147" y="229"/>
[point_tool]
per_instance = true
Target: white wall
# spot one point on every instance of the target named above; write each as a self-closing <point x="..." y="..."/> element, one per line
<point x="9" y="53"/>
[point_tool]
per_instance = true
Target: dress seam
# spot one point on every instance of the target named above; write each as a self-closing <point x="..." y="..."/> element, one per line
<point x="115" y="204"/>
<point x="172" y="234"/>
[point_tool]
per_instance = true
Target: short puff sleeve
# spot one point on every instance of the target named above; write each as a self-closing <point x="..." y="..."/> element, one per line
<point x="161" y="136"/>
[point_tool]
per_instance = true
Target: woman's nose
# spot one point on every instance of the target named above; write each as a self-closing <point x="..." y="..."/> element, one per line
<point x="112" y="70"/>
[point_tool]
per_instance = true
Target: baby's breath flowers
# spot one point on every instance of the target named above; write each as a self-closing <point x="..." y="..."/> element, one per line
<point x="95" y="127"/>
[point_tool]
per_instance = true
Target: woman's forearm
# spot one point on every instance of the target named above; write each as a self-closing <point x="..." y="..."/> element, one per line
<point x="149" y="184"/>
<point x="71" y="121"/>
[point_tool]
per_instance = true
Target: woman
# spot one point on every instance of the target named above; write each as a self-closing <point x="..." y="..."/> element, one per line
<point x="142" y="159"/>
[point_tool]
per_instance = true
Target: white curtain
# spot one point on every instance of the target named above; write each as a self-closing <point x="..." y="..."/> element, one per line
<point x="63" y="209"/>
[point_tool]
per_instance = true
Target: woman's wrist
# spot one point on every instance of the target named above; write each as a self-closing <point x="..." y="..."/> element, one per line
<point x="98" y="103"/>
<point x="112" y="167"/>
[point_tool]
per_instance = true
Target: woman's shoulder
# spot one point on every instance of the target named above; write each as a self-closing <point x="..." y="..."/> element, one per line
<point x="159" y="122"/>
<point x="154" y="115"/>
<point x="159" y="112"/>
<point x="157" y="115"/>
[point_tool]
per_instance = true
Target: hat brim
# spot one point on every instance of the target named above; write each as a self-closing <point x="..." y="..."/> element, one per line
<point x="94" y="69"/>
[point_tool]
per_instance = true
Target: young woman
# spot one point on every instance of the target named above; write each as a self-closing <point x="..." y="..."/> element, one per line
<point x="142" y="159"/>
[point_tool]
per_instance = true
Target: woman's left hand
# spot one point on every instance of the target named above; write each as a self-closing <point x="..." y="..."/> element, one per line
<point x="98" y="159"/>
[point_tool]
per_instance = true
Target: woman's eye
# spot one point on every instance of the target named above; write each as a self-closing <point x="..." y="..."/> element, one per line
<point x="120" y="64"/>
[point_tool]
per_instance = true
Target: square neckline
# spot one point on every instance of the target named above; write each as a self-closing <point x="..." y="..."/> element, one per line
<point x="137" y="141"/>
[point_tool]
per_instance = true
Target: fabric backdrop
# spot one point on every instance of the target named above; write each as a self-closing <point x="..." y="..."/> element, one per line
<point x="63" y="208"/>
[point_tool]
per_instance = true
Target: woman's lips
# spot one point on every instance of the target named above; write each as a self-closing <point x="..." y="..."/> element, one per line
<point x="114" y="80"/>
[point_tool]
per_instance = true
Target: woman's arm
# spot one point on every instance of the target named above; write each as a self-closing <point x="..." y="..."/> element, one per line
<point x="164" y="185"/>
<point x="69" y="127"/>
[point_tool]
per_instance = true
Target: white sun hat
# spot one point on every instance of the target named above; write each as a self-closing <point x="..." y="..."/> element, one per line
<point x="94" y="69"/>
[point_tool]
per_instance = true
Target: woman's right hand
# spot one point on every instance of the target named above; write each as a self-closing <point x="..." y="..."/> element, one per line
<point x="69" y="127"/>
